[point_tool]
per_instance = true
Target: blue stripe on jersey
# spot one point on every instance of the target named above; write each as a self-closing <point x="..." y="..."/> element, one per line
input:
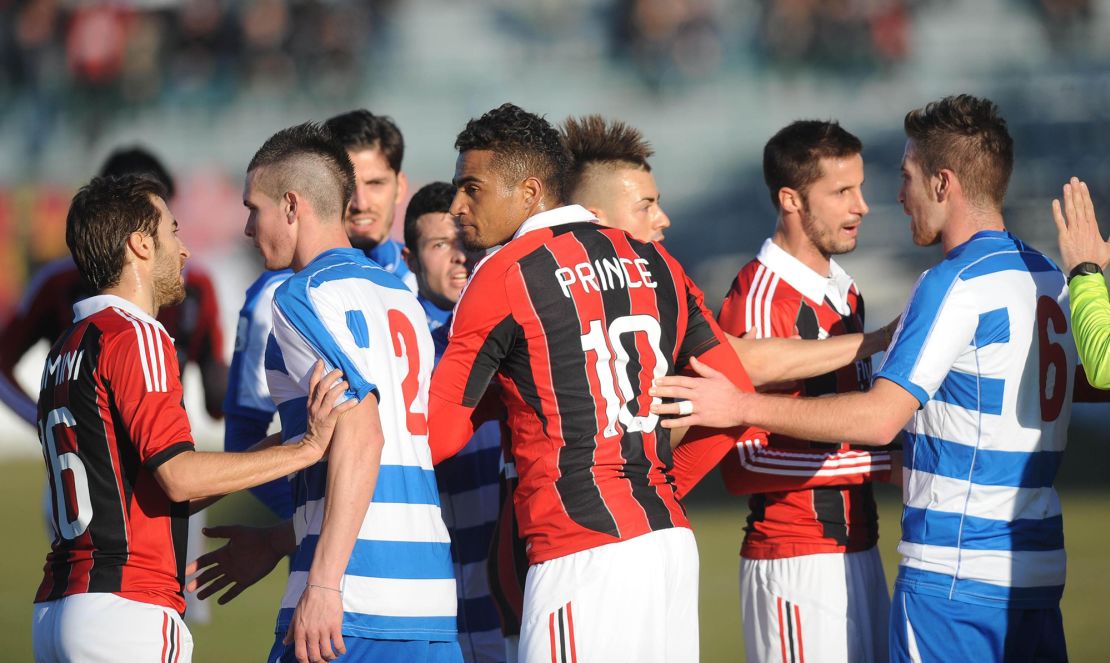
<point x="389" y="254"/>
<point x="920" y="315"/>
<point x="399" y="484"/>
<point x="478" y="614"/>
<point x="385" y="627"/>
<point x="467" y="471"/>
<point x="472" y="543"/>
<point x="940" y="528"/>
<point x="994" y="327"/>
<point x="294" y="417"/>
<point x="943" y="585"/>
<point x="274" y="359"/>
<point x="978" y="394"/>
<point x="356" y="322"/>
<point x="1008" y="261"/>
<point x="398" y="560"/>
<point x="1017" y="469"/>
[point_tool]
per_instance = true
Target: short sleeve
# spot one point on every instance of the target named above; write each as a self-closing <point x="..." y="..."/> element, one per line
<point x="140" y="368"/>
<point x="938" y="324"/>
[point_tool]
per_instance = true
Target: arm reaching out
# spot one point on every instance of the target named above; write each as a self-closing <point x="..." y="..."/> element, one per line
<point x="869" y="418"/>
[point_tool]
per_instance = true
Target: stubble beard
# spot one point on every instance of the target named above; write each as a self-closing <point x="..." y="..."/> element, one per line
<point x="822" y="239"/>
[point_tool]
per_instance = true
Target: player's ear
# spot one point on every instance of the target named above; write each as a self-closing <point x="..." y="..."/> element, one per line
<point x="290" y="205"/>
<point x="599" y="213"/>
<point x="944" y="183"/>
<point x="141" y="245"/>
<point x="532" y="191"/>
<point x="410" y="259"/>
<point x="790" y="200"/>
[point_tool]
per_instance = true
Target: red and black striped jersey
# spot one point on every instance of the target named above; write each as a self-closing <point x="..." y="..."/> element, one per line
<point x="574" y="321"/>
<point x="806" y="497"/>
<point x="110" y="412"/>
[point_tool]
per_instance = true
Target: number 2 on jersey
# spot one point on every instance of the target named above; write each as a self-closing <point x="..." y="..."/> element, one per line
<point x="405" y="347"/>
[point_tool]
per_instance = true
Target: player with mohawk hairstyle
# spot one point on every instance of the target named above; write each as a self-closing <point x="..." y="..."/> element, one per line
<point x="611" y="176"/>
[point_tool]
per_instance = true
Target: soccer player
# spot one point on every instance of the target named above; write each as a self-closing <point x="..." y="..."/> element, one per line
<point x="468" y="482"/>
<point x="371" y="576"/>
<point x="376" y="147"/>
<point x="574" y="320"/>
<point x="611" y="177"/>
<point x="45" y="311"/>
<point x="117" y="443"/>
<point x="979" y="374"/>
<point x="811" y="578"/>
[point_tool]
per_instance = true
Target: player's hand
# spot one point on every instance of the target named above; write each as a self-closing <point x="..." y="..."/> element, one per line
<point x="716" y="402"/>
<point x="322" y="410"/>
<point x="249" y="554"/>
<point x="316" y="631"/>
<point x="1077" y="228"/>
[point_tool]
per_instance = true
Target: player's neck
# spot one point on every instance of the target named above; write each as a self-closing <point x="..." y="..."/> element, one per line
<point x="310" y="245"/>
<point x="799" y="246"/>
<point x="963" y="227"/>
<point x="139" y="292"/>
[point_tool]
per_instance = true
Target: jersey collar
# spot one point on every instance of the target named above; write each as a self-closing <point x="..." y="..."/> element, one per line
<point x="98" y="303"/>
<point x="555" y="217"/>
<point x="812" y="285"/>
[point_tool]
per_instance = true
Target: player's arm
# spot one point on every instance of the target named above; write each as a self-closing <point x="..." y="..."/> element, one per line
<point x="190" y="475"/>
<point x="871" y="418"/>
<point x="353" y="464"/>
<point x="482" y="333"/>
<point x="210" y="360"/>
<point x="776" y="360"/>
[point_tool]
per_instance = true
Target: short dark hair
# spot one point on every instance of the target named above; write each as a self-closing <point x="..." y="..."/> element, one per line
<point x="524" y="145"/>
<point x="101" y="217"/>
<point x="307" y="158"/>
<point x="361" y="129"/>
<point x="137" y="160"/>
<point x="431" y="198"/>
<point x="593" y="141"/>
<point x="792" y="158"/>
<point x="968" y="136"/>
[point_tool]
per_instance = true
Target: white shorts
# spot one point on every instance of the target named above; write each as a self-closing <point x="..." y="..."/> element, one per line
<point x="831" y="607"/>
<point x="636" y="600"/>
<point x="104" y="628"/>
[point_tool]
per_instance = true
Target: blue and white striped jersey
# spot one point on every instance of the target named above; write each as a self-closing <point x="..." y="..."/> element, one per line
<point x="984" y="345"/>
<point x="388" y="254"/>
<point x="350" y="312"/>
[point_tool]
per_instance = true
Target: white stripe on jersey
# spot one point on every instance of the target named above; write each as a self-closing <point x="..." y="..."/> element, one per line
<point x="749" y="300"/>
<point x="754" y="457"/>
<point x="769" y="298"/>
<point x="141" y="342"/>
<point x="1021" y="568"/>
<point x="1001" y="432"/>
<point x="383" y="596"/>
<point x="384" y="521"/>
<point x="940" y="493"/>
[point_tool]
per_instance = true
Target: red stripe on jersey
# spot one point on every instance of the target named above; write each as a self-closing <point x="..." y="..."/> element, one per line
<point x="570" y="628"/>
<point x="551" y="637"/>
<point x="798" y="630"/>
<point x="165" y="640"/>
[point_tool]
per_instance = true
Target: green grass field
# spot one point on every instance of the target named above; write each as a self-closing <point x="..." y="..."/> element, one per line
<point x="242" y="629"/>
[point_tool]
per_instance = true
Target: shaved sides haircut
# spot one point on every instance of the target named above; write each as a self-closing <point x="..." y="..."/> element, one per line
<point x="597" y="145"/>
<point x="307" y="159"/>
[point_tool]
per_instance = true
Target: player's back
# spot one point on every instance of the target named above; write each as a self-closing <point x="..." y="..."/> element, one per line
<point x="983" y="451"/>
<point x="345" y="308"/>
<point x="109" y="414"/>
<point x="583" y="318"/>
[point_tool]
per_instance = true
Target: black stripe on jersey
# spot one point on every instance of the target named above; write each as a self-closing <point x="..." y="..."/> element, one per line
<point x="497" y="345"/>
<point x="155" y="461"/>
<point x="172" y="637"/>
<point x="562" y="637"/>
<point x="757" y="504"/>
<point x="790" y="630"/>
<point x="829" y="508"/>
<point x="558" y="316"/>
<point x="668" y="339"/>
<point x="617" y="303"/>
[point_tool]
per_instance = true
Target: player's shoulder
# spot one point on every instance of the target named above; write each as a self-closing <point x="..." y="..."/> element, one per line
<point x="267" y="281"/>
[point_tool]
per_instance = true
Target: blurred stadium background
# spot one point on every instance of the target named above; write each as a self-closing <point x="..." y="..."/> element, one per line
<point x="204" y="82"/>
